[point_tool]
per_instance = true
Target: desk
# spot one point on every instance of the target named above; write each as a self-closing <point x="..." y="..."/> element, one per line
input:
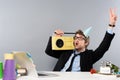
<point x="70" y="76"/>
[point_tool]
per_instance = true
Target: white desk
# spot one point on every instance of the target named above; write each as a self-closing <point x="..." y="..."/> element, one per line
<point x="70" y="76"/>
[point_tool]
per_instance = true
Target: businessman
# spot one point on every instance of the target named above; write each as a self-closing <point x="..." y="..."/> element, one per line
<point x="81" y="58"/>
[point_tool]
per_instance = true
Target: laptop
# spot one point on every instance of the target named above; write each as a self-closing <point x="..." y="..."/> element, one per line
<point x="24" y="60"/>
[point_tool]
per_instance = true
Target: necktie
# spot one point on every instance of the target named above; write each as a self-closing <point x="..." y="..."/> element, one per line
<point x="70" y="67"/>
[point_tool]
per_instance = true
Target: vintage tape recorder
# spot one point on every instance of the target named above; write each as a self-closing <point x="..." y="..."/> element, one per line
<point x="62" y="43"/>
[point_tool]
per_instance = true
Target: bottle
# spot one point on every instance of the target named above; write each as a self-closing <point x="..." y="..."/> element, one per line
<point x="1" y="70"/>
<point x="9" y="67"/>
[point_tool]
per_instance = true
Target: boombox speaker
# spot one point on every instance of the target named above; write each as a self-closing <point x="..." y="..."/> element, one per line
<point x="62" y="43"/>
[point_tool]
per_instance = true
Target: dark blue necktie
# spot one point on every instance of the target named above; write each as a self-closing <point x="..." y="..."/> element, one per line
<point x="70" y="67"/>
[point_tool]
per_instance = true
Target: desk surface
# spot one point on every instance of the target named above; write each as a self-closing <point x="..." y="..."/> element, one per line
<point x="69" y="76"/>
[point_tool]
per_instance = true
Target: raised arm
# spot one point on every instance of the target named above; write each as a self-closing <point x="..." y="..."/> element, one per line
<point x="105" y="44"/>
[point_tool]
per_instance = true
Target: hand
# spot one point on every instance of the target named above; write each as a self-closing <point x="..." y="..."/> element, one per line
<point x="113" y="16"/>
<point x="58" y="33"/>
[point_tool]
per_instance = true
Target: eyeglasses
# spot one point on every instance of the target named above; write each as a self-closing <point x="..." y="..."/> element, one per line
<point x="79" y="38"/>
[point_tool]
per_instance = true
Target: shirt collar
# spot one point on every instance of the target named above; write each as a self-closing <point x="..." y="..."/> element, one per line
<point x="76" y="52"/>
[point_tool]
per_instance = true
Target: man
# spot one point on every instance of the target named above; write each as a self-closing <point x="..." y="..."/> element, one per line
<point x="84" y="58"/>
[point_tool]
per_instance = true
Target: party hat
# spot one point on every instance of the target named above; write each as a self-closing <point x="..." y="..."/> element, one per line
<point x="87" y="31"/>
<point x="9" y="67"/>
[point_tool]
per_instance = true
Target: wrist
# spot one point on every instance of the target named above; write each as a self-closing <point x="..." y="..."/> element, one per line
<point x="111" y="25"/>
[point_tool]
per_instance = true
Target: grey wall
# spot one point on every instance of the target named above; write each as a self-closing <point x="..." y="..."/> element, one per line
<point x="25" y="25"/>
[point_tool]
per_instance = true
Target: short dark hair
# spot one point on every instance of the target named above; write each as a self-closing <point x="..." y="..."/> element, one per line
<point x="80" y="32"/>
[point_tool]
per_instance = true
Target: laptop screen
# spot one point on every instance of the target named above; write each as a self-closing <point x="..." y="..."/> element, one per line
<point x="24" y="60"/>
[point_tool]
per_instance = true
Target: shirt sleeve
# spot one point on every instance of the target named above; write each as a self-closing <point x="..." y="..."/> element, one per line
<point x="110" y="30"/>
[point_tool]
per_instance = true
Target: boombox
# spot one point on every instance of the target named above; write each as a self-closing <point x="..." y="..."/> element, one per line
<point x="62" y="43"/>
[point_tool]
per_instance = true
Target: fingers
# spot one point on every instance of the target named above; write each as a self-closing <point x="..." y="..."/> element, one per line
<point x="58" y="32"/>
<point x="112" y="12"/>
<point x="113" y="16"/>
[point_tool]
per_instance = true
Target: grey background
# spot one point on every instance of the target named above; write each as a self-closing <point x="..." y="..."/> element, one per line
<point x="25" y="25"/>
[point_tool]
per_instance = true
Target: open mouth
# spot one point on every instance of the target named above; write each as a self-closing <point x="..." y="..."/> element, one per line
<point x="76" y="43"/>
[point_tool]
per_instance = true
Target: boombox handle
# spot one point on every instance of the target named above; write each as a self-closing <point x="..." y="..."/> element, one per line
<point x="69" y="33"/>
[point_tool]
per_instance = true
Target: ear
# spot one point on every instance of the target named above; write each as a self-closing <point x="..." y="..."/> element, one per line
<point x="87" y="43"/>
